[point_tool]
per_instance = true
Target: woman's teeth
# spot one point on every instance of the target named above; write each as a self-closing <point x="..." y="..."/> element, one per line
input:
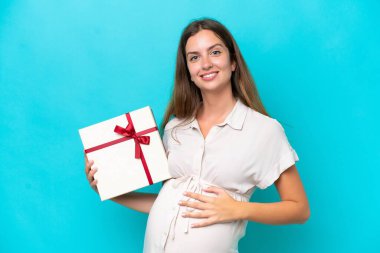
<point x="209" y="76"/>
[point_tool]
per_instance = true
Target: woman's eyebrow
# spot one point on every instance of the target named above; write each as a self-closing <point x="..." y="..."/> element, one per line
<point x="195" y="52"/>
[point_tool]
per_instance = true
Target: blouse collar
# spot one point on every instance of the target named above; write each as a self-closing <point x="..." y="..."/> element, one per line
<point x="235" y="119"/>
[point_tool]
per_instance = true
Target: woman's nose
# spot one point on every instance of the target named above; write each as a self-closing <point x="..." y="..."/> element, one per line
<point x="206" y="63"/>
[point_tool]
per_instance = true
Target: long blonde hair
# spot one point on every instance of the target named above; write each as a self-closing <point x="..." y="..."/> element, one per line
<point x="186" y="97"/>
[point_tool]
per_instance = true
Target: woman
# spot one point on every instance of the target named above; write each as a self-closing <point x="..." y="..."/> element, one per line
<point x="221" y="145"/>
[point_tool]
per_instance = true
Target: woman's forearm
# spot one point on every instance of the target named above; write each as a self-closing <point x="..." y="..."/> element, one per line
<point x="141" y="202"/>
<point x="283" y="212"/>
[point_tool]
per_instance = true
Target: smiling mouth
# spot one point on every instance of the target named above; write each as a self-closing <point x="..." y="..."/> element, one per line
<point x="209" y="77"/>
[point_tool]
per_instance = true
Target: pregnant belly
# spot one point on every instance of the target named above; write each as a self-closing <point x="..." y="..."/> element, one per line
<point x="168" y="230"/>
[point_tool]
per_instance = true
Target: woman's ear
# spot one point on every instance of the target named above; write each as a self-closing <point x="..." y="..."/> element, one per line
<point x="233" y="66"/>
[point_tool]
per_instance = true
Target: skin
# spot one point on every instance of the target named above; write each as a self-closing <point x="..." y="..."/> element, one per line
<point x="206" y="53"/>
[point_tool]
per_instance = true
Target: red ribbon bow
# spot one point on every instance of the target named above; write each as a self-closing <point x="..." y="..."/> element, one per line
<point x="129" y="131"/>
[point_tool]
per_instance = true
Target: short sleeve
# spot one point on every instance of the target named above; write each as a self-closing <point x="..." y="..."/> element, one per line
<point x="165" y="142"/>
<point x="167" y="132"/>
<point x="277" y="156"/>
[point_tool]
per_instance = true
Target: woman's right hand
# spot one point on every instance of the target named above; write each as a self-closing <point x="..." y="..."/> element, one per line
<point x="90" y="172"/>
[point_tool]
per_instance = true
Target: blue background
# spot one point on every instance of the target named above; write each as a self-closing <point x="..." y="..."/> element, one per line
<point x="68" y="64"/>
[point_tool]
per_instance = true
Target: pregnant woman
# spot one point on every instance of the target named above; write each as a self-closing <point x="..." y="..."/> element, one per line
<point x="221" y="145"/>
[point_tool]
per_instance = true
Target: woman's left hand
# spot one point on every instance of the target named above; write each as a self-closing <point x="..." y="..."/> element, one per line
<point x="219" y="209"/>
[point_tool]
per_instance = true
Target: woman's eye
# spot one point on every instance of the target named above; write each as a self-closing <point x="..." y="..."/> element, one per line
<point x="215" y="52"/>
<point x="193" y="58"/>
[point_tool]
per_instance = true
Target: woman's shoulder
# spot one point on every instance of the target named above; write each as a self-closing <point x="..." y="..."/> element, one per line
<point x="265" y="129"/>
<point x="263" y="121"/>
<point x="176" y="122"/>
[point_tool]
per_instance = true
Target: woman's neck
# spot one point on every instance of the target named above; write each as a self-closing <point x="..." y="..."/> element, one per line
<point x="215" y="107"/>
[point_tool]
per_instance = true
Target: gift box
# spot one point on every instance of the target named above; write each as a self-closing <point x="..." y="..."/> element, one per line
<point x="128" y="152"/>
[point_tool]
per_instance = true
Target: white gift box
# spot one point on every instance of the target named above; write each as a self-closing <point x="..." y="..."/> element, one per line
<point x="128" y="152"/>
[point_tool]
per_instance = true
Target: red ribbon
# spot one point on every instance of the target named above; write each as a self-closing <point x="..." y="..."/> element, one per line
<point x="129" y="132"/>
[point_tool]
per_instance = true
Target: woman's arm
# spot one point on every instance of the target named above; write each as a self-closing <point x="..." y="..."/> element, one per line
<point x="293" y="207"/>
<point x="138" y="201"/>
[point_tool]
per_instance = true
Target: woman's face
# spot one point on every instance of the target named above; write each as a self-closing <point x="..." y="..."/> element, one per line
<point x="208" y="61"/>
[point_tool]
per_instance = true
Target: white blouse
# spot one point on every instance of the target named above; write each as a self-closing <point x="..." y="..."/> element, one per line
<point x="246" y="151"/>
